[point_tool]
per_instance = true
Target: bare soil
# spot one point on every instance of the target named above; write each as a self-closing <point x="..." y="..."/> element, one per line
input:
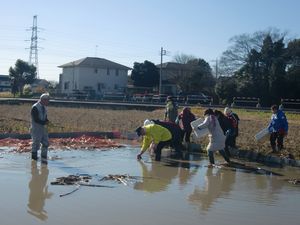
<point x="15" y="119"/>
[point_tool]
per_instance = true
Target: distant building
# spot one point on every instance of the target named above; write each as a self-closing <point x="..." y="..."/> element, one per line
<point x="95" y="76"/>
<point x="5" y="84"/>
<point x="170" y="73"/>
<point x="39" y="86"/>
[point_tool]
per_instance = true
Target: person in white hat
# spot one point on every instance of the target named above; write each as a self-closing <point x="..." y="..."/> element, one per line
<point x="155" y="136"/>
<point x="39" y="133"/>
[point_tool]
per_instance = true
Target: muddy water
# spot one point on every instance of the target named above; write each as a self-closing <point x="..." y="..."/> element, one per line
<point x="168" y="192"/>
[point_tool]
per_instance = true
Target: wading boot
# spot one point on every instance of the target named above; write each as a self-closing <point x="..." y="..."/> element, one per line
<point x="34" y="156"/>
<point x="44" y="160"/>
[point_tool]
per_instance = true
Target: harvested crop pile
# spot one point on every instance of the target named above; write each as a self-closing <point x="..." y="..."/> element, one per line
<point x="83" y="142"/>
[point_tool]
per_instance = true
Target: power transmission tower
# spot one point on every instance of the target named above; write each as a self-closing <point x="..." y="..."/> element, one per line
<point x="33" y="55"/>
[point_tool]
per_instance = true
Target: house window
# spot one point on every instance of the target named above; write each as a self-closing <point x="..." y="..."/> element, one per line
<point x="96" y="70"/>
<point x="107" y="71"/>
<point x="116" y="87"/>
<point x="117" y="72"/>
<point x="66" y="85"/>
<point x="100" y="86"/>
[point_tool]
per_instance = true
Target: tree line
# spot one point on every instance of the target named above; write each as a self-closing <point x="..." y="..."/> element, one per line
<point x="264" y="65"/>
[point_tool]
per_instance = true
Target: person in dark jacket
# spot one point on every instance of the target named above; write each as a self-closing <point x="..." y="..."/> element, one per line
<point x="278" y="128"/>
<point x="186" y="117"/>
<point x="228" y="130"/>
<point x="234" y="118"/>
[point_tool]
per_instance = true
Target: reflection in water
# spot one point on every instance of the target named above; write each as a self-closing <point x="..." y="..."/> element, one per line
<point x="186" y="169"/>
<point x="158" y="175"/>
<point x="217" y="185"/>
<point x="155" y="179"/>
<point x="38" y="191"/>
<point x="270" y="188"/>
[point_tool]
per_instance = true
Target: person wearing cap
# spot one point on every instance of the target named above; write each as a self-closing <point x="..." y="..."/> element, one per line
<point x="278" y="128"/>
<point x="233" y="117"/>
<point x="171" y="110"/>
<point x="39" y="133"/>
<point x="177" y="136"/>
<point x="176" y="132"/>
<point x="156" y="135"/>
<point x="216" y="136"/>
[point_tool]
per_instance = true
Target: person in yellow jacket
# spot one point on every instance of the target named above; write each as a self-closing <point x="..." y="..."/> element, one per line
<point x="155" y="134"/>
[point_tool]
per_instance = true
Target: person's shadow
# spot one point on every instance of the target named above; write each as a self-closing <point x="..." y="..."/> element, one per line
<point x="38" y="191"/>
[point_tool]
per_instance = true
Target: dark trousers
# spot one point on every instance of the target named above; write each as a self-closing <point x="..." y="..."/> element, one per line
<point x="187" y="135"/>
<point x="212" y="159"/>
<point x="228" y="143"/>
<point x="276" y="137"/>
<point x="159" y="147"/>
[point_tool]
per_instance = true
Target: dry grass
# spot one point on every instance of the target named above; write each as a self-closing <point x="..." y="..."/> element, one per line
<point x="16" y="119"/>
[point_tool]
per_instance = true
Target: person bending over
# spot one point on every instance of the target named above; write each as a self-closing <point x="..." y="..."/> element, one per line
<point x="155" y="134"/>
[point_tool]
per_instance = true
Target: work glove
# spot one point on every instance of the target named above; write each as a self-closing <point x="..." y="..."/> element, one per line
<point x="139" y="156"/>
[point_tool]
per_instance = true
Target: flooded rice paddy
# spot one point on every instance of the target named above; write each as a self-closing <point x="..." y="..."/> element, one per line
<point x="167" y="192"/>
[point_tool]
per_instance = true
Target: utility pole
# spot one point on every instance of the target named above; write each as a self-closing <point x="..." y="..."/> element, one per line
<point x="162" y="53"/>
<point x="96" y="51"/>
<point x="216" y="67"/>
<point x="33" y="54"/>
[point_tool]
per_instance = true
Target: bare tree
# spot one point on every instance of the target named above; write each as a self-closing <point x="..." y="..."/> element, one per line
<point x="183" y="58"/>
<point x="237" y="53"/>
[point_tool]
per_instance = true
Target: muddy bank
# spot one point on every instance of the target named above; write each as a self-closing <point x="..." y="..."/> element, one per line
<point x="271" y="160"/>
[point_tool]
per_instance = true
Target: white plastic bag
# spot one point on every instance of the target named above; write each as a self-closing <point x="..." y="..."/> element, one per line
<point x="262" y="135"/>
<point x="199" y="133"/>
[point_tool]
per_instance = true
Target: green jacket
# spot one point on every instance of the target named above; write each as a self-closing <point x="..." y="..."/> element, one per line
<point x="171" y="111"/>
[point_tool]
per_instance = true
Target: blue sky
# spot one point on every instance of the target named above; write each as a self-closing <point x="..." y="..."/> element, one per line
<point x="128" y="31"/>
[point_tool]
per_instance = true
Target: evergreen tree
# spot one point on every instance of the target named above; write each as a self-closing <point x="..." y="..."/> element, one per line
<point x="21" y="74"/>
<point x="145" y="74"/>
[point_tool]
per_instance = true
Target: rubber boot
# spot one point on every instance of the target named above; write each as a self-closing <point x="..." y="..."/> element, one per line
<point x="211" y="157"/>
<point x="44" y="154"/>
<point x="274" y="148"/>
<point x="34" y="156"/>
<point x="222" y="152"/>
<point x="227" y="151"/>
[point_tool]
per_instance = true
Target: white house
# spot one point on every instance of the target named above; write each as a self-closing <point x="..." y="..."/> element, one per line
<point x="94" y="76"/>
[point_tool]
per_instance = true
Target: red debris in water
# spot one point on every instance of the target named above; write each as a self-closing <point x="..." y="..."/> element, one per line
<point x="82" y="142"/>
